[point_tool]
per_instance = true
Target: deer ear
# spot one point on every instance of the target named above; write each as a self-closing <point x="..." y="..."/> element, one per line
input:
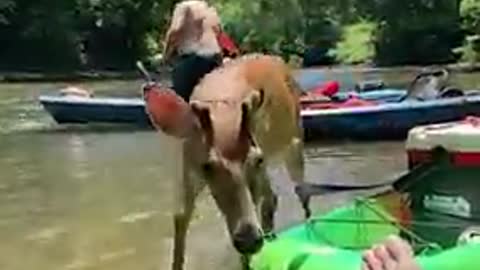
<point x="253" y="101"/>
<point x="202" y="113"/>
<point x="167" y="111"/>
<point x="249" y="106"/>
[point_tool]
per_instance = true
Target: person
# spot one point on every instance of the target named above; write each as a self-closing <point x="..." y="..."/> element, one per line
<point x="428" y="84"/>
<point x="394" y="254"/>
<point x="75" y="91"/>
<point x="197" y="43"/>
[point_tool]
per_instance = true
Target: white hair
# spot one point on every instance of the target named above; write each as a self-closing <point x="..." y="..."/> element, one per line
<point x="193" y="22"/>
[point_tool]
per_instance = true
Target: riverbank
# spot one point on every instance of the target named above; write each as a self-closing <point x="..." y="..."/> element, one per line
<point x="35" y="77"/>
<point x="78" y="76"/>
<point x="99" y="75"/>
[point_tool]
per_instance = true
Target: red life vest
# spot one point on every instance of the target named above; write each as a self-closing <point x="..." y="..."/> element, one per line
<point x="226" y="43"/>
<point x="329" y="89"/>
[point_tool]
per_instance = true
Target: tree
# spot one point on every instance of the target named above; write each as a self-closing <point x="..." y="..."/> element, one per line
<point x="470" y="49"/>
<point x="429" y="34"/>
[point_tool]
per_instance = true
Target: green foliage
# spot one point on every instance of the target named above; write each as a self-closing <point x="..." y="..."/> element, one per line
<point x="38" y="32"/>
<point x="470" y="49"/>
<point x="112" y="34"/>
<point x="120" y="31"/>
<point x="264" y="25"/>
<point x="470" y="12"/>
<point x="356" y="45"/>
<point x="6" y="7"/>
<point x="71" y="34"/>
<point x="286" y="28"/>
<point x="417" y="32"/>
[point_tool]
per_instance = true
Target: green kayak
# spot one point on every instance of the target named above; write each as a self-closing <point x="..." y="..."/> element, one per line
<point x="435" y="207"/>
<point x="336" y="240"/>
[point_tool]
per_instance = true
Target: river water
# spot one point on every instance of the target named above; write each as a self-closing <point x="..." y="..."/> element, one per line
<point x="80" y="198"/>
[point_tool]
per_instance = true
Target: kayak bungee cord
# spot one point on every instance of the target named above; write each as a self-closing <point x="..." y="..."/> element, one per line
<point x="421" y="243"/>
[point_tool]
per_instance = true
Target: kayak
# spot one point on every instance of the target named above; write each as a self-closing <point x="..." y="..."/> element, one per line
<point x="131" y="111"/>
<point x="336" y="240"/>
<point x="435" y="206"/>
<point x="388" y="120"/>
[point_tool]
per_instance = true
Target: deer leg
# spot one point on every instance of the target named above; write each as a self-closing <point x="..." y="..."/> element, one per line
<point x="269" y="207"/>
<point x="296" y="168"/>
<point x="187" y="191"/>
<point x="268" y="204"/>
<point x="245" y="260"/>
<point x="181" y="223"/>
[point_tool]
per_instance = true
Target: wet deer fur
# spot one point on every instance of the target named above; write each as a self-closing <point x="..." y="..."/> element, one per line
<point x="244" y="116"/>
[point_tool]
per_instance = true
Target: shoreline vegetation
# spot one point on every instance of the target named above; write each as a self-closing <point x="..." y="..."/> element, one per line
<point x="100" y="39"/>
<point x="102" y="75"/>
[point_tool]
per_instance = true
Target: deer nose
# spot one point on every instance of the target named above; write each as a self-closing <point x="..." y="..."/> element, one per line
<point x="247" y="239"/>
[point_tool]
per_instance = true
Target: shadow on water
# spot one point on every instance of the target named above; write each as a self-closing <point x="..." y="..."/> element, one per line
<point x="77" y="197"/>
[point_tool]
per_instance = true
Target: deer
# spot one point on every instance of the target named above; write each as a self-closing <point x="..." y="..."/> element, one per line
<point x="241" y="117"/>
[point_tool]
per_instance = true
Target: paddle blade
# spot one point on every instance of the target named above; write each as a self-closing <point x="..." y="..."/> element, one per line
<point x="168" y="111"/>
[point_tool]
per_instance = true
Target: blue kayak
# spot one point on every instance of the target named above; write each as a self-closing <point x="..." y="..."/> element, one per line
<point x="388" y="119"/>
<point x="103" y="110"/>
<point x="77" y="110"/>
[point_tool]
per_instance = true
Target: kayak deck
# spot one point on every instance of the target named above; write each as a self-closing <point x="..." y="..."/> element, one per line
<point x="336" y="240"/>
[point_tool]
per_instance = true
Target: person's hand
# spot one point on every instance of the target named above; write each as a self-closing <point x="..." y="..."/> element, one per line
<point x="393" y="254"/>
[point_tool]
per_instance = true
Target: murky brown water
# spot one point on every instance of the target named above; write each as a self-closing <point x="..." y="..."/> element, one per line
<point x="101" y="199"/>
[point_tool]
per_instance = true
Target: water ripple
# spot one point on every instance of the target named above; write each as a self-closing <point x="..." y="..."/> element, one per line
<point x="46" y="235"/>
<point x="137" y="216"/>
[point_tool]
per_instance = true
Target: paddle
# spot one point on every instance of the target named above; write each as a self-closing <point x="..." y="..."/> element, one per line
<point x="402" y="183"/>
<point x="144" y="72"/>
<point x="150" y="83"/>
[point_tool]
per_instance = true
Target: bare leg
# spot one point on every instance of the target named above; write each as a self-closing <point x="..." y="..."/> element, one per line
<point x="394" y="254"/>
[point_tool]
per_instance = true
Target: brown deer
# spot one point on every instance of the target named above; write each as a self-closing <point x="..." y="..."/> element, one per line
<point x="241" y="117"/>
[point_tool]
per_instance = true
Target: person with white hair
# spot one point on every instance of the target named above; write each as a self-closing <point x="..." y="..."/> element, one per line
<point x="196" y="44"/>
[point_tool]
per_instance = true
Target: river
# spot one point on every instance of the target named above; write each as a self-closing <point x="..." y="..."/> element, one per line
<point x="80" y="198"/>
